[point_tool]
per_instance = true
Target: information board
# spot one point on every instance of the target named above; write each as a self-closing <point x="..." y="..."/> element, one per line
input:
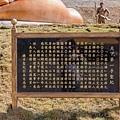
<point x="67" y="65"/>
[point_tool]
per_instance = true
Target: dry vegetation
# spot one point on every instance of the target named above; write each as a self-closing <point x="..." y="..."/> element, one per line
<point x="51" y="109"/>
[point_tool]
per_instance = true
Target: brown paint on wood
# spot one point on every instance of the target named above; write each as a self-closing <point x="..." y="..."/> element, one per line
<point x="16" y="95"/>
<point x="68" y="95"/>
<point x="69" y="35"/>
<point x="14" y="65"/>
<point x="119" y="70"/>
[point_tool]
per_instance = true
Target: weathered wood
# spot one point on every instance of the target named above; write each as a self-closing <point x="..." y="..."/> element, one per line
<point x="68" y="95"/>
<point x="119" y="70"/>
<point x="14" y="65"/>
<point x="14" y="101"/>
<point x="69" y="35"/>
<point x="119" y="60"/>
<point x="16" y="95"/>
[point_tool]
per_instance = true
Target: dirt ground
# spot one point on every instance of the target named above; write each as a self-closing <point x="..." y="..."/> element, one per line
<point x="88" y="14"/>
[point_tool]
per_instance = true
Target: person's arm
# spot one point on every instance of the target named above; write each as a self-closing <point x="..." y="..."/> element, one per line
<point x="107" y="11"/>
<point x="97" y="12"/>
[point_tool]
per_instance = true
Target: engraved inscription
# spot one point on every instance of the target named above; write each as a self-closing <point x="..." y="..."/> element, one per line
<point x="66" y="65"/>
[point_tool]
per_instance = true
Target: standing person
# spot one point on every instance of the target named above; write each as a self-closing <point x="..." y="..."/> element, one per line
<point x="102" y="14"/>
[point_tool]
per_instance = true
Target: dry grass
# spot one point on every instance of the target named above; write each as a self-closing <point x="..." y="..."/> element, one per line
<point x="50" y="109"/>
<point x="69" y="28"/>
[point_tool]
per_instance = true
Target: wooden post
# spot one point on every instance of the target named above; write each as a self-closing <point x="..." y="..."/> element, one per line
<point x="14" y="90"/>
<point x="119" y="59"/>
<point x="96" y="16"/>
<point x="119" y="71"/>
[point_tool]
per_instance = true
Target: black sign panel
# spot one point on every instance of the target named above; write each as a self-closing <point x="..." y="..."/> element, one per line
<point x="67" y="65"/>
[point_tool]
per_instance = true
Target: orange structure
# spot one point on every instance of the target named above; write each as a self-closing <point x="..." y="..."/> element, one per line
<point x="53" y="11"/>
<point x="3" y="2"/>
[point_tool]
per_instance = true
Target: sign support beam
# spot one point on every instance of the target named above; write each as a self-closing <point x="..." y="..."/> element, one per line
<point x="17" y="93"/>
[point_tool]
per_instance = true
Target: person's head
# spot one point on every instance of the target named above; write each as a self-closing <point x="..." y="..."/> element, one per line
<point x="101" y="4"/>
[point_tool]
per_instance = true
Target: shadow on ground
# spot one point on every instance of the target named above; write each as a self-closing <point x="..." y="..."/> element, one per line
<point x="78" y="115"/>
<point x="19" y="114"/>
<point x="56" y="114"/>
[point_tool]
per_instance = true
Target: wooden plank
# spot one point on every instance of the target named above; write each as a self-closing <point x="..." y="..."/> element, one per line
<point x="69" y="35"/>
<point x="14" y="101"/>
<point x="119" y="70"/>
<point x="67" y="95"/>
<point x="119" y="61"/>
<point x="14" y="89"/>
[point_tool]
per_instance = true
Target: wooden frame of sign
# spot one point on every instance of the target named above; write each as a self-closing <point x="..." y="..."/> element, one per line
<point x="16" y="94"/>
